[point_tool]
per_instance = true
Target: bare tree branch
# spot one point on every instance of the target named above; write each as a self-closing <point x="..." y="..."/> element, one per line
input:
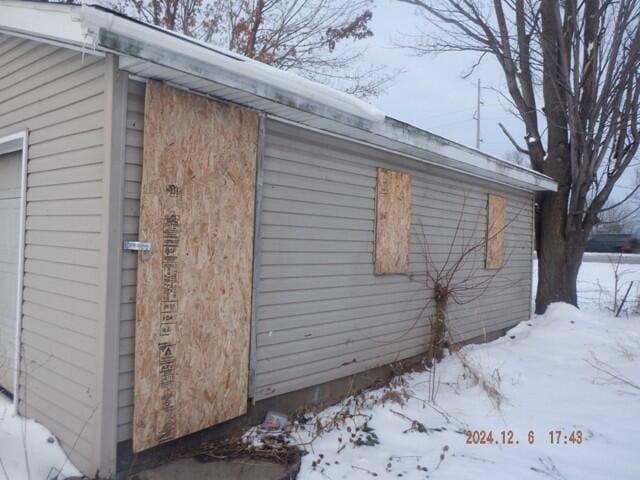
<point x="315" y="38"/>
<point x="580" y="59"/>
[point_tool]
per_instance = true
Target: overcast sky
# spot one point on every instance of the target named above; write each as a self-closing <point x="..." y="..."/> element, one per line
<point x="431" y="93"/>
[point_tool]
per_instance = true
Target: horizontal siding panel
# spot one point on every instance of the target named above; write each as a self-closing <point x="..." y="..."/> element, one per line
<point x="60" y="77"/>
<point x="54" y="101"/>
<point x="330" y="373"/>
<point x="8" y="58"/>
<point x="314" y="258"/>
<point x="63" y="271"/>
<point x="62" y="176"/>
<point x="320" y="282"/>
<point x="75" y="117"/>
<point x="33" y="63"/>
<point x="340" y="352"/>
<point x="314" y="185"/>
<point x="88" y="156"/>
<point x="125" y="397"/>
<point x="341" y="365"/>
<point x="134" y="138"/>
<point x="133" y="156"/>
<point x="79" y="325"/>
<point x="125" y="364"/>
<point x="39" y="359"/>
<point x="296" y="220"/>
<point x="70" y="289"/>
<point x="314" y="208"/>
<point x="293" y="309"/>
<point x="76" y="223"/>
<point x="10" y="44"/>
<point x="316" y="318"/>
<point x="82" y="240"/>
<point x="313" y="233"/>
<point x="69" y="355"/>
<point x="127" y="328"/>
<point x="80" y="121"/>
<point x="344" y="292"/>
<point x="30" y="59"/>
<point x="324" y="172"/>
<point x="74" y="306"/>
<point x="77" y="206"/>
<point x="322" y="314"/>
<point x="84" y="190"/>
<point x="276" y="192"/>
<point x="72" y="142"/>
<point x="65" y="379"/>
<point x="346" y="337"/>
<point x="73" y="256"/>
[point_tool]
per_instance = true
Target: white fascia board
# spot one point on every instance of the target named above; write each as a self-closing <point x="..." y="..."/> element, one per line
<point x="461" y="155"/>
<point x="452" y="155"/>
<point x="246" y="71"/>
<point x="50" y="22"/>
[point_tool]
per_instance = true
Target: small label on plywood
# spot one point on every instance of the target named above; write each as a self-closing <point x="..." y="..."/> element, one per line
<point x="393" y="222"/>
<point x="495" y="232"/>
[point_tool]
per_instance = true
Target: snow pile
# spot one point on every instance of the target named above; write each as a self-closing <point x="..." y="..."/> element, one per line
<point x="569" y="372"/>
<point x="28" y="450"/>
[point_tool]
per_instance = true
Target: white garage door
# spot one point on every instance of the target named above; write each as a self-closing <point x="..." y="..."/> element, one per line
<point x="10" y="164"/>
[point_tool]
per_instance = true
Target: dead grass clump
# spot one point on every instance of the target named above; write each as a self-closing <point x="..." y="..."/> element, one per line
<point x="393" y="396"/>
<point x="276" y="449"/>
<point x="490" y="386"/>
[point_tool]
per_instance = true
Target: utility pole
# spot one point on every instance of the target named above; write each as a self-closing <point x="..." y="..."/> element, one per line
<point x="477" y="117"/>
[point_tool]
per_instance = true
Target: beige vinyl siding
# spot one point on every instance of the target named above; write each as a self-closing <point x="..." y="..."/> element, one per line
<point x="322" y="314"/>
<point x="133" y="177"/>
<point x="58" y="94"/>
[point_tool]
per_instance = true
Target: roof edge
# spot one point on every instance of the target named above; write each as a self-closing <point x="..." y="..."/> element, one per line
<point x="101" y="30"/>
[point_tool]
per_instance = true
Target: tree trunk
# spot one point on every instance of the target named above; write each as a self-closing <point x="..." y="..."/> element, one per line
<point x="560" y="253"/>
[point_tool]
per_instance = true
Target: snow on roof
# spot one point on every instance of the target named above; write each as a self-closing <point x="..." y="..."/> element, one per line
<point x="151" y="52"/>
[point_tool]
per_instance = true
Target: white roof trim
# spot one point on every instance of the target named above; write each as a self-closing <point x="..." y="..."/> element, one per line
<point x="91" y="28"/>
<point x="95" y="21"/>
<point x="46" y="21"/>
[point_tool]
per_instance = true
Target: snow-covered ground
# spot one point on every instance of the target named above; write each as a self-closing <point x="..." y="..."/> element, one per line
<point x="569" y="371"/>
<point x="28" y="451"/>
<point x="572" y="373"/>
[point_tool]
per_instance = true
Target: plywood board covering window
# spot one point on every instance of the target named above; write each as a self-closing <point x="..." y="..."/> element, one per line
<point x="495" y="231"/>
<point x="393" y="222"/>
<point x="194" y="286"/>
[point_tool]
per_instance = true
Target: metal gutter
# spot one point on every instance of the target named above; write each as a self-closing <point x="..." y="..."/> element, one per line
<point x="308" y="104"/>
<point x="111" y="30"/>
<point x="460" y="154"/>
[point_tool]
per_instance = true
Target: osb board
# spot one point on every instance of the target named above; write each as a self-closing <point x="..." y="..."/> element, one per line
<point x="495" y="231"/>
<point x="393" y="222"/>
<point x="194" y="287"/>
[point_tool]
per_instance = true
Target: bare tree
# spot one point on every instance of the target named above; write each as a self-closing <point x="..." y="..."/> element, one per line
<point x="306" y="36"/>
<point x="572" y="75"/>
<point x="457" y="276"/>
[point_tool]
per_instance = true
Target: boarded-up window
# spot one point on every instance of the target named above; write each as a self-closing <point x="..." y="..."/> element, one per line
<point x="495" y="231"/>
<point x="194" y="287"/>
<point x="393" y="222"/>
